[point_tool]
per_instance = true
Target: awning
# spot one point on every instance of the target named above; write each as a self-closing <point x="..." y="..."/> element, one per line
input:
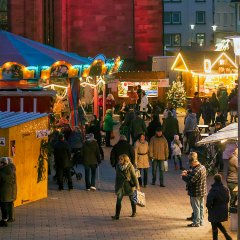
<point x="228" y="133"/>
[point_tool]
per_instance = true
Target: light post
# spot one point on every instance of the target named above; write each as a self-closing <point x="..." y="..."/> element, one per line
<point x="214" y="27"/>
<point x="236" y="46"/>
<point x="192" y="27"/>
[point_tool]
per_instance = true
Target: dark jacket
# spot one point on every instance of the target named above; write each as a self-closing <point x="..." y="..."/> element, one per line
<point x="122" y="147"/>
<point x="8" y="183"/>
<point x="123" y="179"/>
<point x="207" y="110"/>
<point x="91" y="153"/>
<point x="75" y="139"/>
<point x="138" y="126"/>
<point x="62" y="154"/>
<point x="196" y="181"/>
<point x="217" y="203"/>
<point x="232" y="175"/>
<point x="170" y="127"/>
<point x="95" y="128"/>
<point x="153" y="125"/>
<point x="130" y="116"/>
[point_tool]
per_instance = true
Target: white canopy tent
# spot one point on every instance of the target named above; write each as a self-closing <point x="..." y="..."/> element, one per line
<point x="228" y="133"/>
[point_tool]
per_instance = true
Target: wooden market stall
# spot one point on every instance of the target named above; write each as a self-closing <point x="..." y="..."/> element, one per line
<point x="23" y="137"/>
<point x="206" y="71"/>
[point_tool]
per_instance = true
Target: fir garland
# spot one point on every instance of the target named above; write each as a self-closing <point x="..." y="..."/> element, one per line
<point x="44" y="148"/>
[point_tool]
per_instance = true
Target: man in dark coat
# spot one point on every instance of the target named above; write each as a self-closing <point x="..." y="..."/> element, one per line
<point x="122" y="147"/>
<point x="62" y="157"/>
<point x="8" y="190"/>
<point x="91" y="159"/>
<point x="217" y="205"/>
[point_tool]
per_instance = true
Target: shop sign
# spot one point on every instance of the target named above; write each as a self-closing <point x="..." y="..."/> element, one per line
<point x="2" y="141"/>
<point x="163" y="82"/>
<point x="42" y="133"/>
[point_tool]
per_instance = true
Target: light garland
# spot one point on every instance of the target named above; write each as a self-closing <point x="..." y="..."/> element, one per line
<point x="53" y="86"/>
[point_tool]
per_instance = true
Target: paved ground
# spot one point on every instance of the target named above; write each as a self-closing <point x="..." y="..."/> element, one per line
<point x="86" y="215"/>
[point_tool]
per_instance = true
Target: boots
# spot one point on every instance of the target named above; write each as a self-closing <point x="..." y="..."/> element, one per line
<point x="134" y="210"/>
<point x="117" y="214"/>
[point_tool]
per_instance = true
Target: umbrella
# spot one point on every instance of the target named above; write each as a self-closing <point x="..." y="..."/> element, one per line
<point x="14" y="48"/>
<point x="228" y="133"/>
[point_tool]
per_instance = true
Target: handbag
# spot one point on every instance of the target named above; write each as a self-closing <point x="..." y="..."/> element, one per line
<point x="139" y="198"/>
<point x="165" y="164"/>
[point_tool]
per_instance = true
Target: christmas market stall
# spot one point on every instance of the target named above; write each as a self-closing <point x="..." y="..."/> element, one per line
<point x="23" y="137"/>
<point x="206" y="71"/>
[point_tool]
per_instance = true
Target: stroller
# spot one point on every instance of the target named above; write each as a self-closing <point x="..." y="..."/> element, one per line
<point x="76" y="159"/>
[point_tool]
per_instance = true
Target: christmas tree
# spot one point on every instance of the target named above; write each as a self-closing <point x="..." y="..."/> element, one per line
<point x="176" y="95"/>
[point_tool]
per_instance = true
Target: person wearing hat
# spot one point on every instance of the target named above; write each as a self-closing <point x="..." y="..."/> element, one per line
<point x="8" y="190"/>
<point x="217" y="205"/>
<point x="197" y="187"/>
<point x="91" y="159"/>
<point x="158" y="152"/>
<point x="62" y="157"/>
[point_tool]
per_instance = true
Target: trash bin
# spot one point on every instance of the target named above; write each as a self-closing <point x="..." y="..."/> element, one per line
<point x="233" y="218"/>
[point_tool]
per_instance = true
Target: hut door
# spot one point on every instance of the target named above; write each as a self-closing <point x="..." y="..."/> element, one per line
<point x="28" y="168"/>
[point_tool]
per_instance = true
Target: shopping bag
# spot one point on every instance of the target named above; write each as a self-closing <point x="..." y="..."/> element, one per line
<point x="165" y="164"/>
<point x="137" y="173"/>
<point x="139" y="198"/>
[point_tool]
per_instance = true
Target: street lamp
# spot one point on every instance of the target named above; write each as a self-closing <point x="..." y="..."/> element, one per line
<point x="192" y="26"/>
<point x="214" y="27"/>
<point x="236" y="46"/>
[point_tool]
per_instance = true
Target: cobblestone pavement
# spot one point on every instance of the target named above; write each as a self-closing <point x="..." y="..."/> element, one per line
<point x="79" y="214"/>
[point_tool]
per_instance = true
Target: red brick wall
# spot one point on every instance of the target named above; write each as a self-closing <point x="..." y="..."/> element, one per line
<point x="148" y="29"/>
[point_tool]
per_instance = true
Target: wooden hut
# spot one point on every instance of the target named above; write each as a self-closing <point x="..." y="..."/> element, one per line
<point x="23" y="136"/>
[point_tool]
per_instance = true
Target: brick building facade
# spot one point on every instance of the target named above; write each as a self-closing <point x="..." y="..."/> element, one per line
<point x="129" y="28"/>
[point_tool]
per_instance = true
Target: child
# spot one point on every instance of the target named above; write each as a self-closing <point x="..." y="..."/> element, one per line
<point x="176" y="146"/>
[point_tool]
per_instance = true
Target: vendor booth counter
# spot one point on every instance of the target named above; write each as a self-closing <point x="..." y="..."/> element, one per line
<point x="23" y="137"/>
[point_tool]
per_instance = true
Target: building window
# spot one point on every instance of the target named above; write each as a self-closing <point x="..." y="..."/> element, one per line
<point x="172" y="40"/>
<point x="200" y="37"/>
<point x="200" y="17"/>
<point x="3" y="15"/>
<point x="172" y="18"/>
<point x="172" y="1"/>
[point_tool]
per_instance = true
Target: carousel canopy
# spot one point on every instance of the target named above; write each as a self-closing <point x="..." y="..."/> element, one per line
<point x="228" y="133"/>
<point x="14" y="48"/>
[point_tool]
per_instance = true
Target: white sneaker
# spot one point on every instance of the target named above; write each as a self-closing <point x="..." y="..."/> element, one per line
<point x="88" y="189"/>
<point x="93" y="188"/>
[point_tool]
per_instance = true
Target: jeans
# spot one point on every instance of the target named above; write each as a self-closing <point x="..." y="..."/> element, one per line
<point x="233" y="195"/>
<point x="89" y="168"/>
<point x="7" y="209"/>
<point x="108" y="138"/>
<point x="144" y="172"/>
<point x="197" y="204"/>
<point x="175" y="158"/>
<point x="160" y="165"/>
<point x="64" y="172"/>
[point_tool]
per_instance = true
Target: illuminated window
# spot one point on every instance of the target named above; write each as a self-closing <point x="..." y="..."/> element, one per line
<point x="3" y="15"/>
<point x="172" y="40"/>
<point x="200" y="37"/>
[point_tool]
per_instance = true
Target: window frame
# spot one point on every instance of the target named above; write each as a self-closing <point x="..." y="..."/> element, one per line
<point x="198" y="22"/>
<point x="198" y="34"/>
<point x="172" y="35"/>
<point x="171" y="14"/>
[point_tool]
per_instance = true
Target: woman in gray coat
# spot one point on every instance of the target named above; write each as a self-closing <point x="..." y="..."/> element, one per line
<point x="8" y="190"/>
<point x="125" y="184"/>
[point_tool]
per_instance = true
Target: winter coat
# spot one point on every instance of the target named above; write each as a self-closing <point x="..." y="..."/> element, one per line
<point x="144" y="104"/>
<point x="91" y="153"/>
<point x="176" y="148"/>
<point x="170" y="127"/>
<point x="130" y="116"/>
<point x="233" y="103"/>
<point x="75" y="139"/>
<point x="215" y="103"/>
<point x="153" y="125"/>
<point x="138" y="126"/>
<point x="122" y="147"/>
<point x="62" y="154"/>
<point x="123" y="177"/>
<point x="132" y="98"/>
<point x="196" y="104"/>
<point x="110" y="104"/>
<point x="8" y="183"/>
<point x="158" y="148"/>
<point x="108" y="122"/>
<point x="217" y="203"/>
<point x="232" y="174"/>
<point x="207" y="111"/>
<point x="190" y="123"/>
<point x="141" y="154"/>
<point x="223" y="102"/>
<point x="95" y="128"/>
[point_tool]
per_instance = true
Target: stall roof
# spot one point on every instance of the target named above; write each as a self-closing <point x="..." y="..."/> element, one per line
<point x="11" y="119"/>
<point x="19" y="93"/>
<point x="14" y="48"/>
<point x="228" y="133"/>
<point x="139" y="76"/>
